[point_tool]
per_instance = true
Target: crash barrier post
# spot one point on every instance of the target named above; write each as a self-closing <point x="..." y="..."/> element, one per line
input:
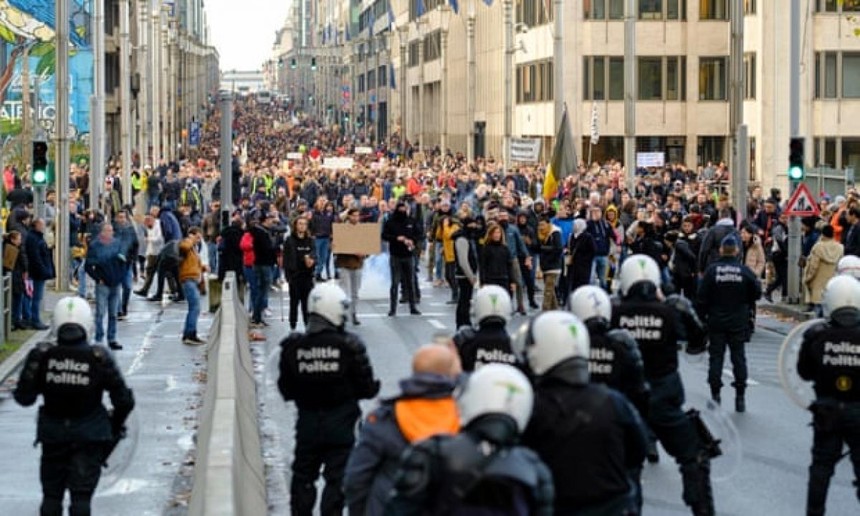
<point x="229" y="476"/>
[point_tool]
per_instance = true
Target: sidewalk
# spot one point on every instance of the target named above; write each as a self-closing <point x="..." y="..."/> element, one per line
<point x="150" y="472"/>
<point x="796" y="312"/>
<point x="12" y="363"/>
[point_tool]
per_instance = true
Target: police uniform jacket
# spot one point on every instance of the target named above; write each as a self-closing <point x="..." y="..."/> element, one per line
<point x="830" y="357"/>
<point x="489" y="344"/>
<point x="727" y="293"/>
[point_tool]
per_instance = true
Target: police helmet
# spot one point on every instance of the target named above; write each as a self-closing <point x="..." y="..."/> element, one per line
<point x="849" y="265"/>
<point x="636" y="268"/>
<point x="492" y="301"/>
<point x="330" y="302"/>
<point x="551" y="338"/>
<point x="590" y="302"/>
<point x="496" y="389"/>
<point x="73" y="319"/>
<point x="840" y="292"/>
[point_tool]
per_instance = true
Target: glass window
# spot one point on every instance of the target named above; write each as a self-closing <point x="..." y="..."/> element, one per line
<point x="830" y="6"/>
<point x="676" y="9"/>
<point x="601" y="9"/>
<point x="599" y="78"/>
<point x="749" y="6"/>
<point x="713" y="9"/>
<point x="650" y="9"/>
<point x="650" y="78"/>
<point x="371" y="80"/>
<point x="382" y="73"/>
<point x="851" y="6"/>
<point x="830" y="75"/>
<point x="749" y="75"/>
<point x="851" y="76"/>
<point x="586" y="78"/>
<point x="712" y="78"/>
<point x="616" y="78"/>
<point x="673" y="84"/>
<point x="851" y="153"/>
<point x="616" y="9"/>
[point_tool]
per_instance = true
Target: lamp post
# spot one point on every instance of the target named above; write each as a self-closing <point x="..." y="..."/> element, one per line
<point x="509" y="72"/>
<point x="471" y="80"/>
<point x="143" y="106"/>
<point x="420" y="86"/>
<point x="62" y="138"/>
<point x="630" y="92"/>
<point x="445" y="13"/>
<point x="403" y="34"/>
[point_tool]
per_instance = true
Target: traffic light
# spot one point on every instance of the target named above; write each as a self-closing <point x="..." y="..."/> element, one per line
<point x="795" y="160"/>
<point x="313" y="63"/>
<point x="40" y="163"/>
<point x="293" y="63"/>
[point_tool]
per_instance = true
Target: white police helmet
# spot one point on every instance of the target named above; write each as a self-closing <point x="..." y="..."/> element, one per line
<point x="496" y="389"/>
<point x="589" y="302"/>
<point x="72" y="319"/>
<point x="840" y="292"/>
<point x="330" y="302"/>
<point x="492" y="301"/>
<point x="849" y="265"/>
<point x="636" y="268"/>
<point x="551" y="338"/>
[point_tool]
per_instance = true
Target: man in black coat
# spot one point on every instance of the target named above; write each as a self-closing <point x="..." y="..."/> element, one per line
<point x="401" y="232"/>
<point x="852" y="234"/>
<point x="41" y="264"/>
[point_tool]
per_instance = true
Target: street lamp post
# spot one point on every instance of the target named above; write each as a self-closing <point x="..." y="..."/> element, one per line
<point x="403" y="34"/>
<point x="509" y="72"/>
<point x="471" y="72"/>
<point x="445" y="13"/>
<point x="420" y="87"/>
<point x="630" y="92"/>
<point x="125" y="98"/>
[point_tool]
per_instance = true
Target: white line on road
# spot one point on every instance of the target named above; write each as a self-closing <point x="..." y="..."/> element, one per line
<point x="728" y="372"/>
<point x="436" y="324"/>
<point x="401" y="314"/>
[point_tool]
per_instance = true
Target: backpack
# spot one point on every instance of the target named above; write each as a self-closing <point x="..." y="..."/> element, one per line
<point x="170" y="256"/>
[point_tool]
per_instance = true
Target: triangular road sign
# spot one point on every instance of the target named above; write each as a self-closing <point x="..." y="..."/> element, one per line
<point x="802" y="202"/>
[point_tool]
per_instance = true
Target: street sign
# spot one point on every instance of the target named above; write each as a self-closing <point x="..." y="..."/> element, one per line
<point x="802" y="202"/>
<point x="194" y="134"/>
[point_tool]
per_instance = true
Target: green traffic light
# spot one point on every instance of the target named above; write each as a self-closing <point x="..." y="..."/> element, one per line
<point x="795" y="173"/>
<point x="40" y="177"/>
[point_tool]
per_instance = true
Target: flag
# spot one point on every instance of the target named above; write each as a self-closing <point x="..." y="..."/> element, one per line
<point x="489" y="3"/>
<point x="563" y="159"/>
<point x="420" y="9"/>
<point x="595" y="130"/>
<point x="454" y="6"/>
<point x="392" y="25"/>
<point x="391" y="76"/>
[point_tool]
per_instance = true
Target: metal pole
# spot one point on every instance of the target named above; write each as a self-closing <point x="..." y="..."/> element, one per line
<point x="226" y="153"/>
<point x="420" y="88"/>
<point x="365" y="55"/>
<point x="444" y="55"/>
<point x="144" y="97"/>
<point x="404" y="89"/>
<point x="471" y="80"/>
<point x="739" y="173"/>
<point x="630" y="92"/>
<point x="794" y="290"/>
<point x="164" y="95"/>
<point x="61" y="164"/>
<point x="558" y="60"/>
<point x="377" y="90"/>
<point x="97" y="117"/>
<point x="155" y="29"/>
<point x="509" y="81"/>
<point x="125" y="98"/>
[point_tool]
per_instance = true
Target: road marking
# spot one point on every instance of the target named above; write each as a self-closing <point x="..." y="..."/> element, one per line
<point x="171" y="383"/>
<point x="750" y="381"/>
<point x="436" y="324"/>
<point x="401" y="314"/>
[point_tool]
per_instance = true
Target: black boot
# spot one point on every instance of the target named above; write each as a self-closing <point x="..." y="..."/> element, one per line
<point x="740" y="402"/>
<point x="697" y="492"/>
<point x="715" y="394"/>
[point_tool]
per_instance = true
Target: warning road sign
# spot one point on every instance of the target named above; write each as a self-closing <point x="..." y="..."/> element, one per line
<point x="802" y="203"/>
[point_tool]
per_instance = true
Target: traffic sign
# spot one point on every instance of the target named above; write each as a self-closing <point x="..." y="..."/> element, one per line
<point x="802" y="202"/>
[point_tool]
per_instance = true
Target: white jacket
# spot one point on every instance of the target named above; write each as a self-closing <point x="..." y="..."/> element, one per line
<point x="154" y="239"/>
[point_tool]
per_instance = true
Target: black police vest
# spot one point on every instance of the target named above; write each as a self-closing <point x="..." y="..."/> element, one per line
<point x="490" y="344"/>
<point x="835" y="352"/>
<point x="605" y="361"/>
<point x="72" y="381"/>
<point x="318" y="369"/>
<point x="653" y="325"/>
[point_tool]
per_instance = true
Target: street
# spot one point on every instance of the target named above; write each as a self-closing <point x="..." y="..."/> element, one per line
<point x="166" y="377"/>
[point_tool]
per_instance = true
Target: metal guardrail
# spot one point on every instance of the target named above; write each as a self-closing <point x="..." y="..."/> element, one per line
<point x="229" y="475"/>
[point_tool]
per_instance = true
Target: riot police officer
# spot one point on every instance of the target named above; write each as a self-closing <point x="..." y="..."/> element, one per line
<point x="657" y="327"/>
<point x="727" y="295"/>
<point x="76" y="431"/>
<point x="849" y="265"/>
<point x="482" y="469"/>
<point x="325" y="371"/>
<point x="589" y="435"/>
<point x="830" y="357"/>
<point x="490" y="342"/>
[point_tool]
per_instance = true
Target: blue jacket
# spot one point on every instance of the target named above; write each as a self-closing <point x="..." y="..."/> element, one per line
<point x="40" y="262"/>
<point x="515" y="241"/>
<point x="170" y="228"/>
<point x="104" y="262"/>
<point x="602" y="233"/>
<point x="370" y="471"/>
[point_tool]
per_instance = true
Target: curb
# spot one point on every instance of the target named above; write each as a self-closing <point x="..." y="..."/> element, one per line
<point x="793" y="311"/>
<point x="11" y="364"/>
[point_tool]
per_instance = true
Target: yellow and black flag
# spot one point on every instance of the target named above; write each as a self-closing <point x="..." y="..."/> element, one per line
<point x="563" y="161"/>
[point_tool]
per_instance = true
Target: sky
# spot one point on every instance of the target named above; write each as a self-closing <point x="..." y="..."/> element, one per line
<point x="243" y="31"/>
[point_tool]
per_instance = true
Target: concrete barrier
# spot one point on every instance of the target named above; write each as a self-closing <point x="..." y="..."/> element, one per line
<point x="229" y="476"/>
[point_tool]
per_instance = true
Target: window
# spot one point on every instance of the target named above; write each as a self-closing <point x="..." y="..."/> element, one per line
<point x="534" y="82"/>
<point x="361" y="83"/>
<point x="603" y="78"/>
<point x="650" y="78"/>
<point x="833" y="6"/>
<point x="712" y="78"/>
<point x="662" y="9"/>
<point x="749" y="76"/>
<point x="371" y="79"/>
<point x="851" y="76"/>
<point x="382" y="73"/>
<point x="429" y="5"/>
<point x="534" y="12"/>
<point x="828" y="159"/>
<point x="413" y="53"/>
<point x="749" y="6"/>
<point x="662" y="78"/>
<point x="713" y="9"/>
<point x="432" y="46"/>
<point x="837" y="75"/>
<point x="604" y="9"/>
